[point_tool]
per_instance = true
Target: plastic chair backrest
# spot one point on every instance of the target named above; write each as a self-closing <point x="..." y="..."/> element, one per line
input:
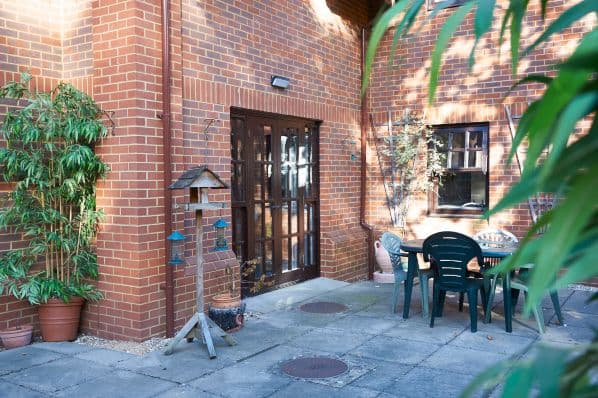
<point x="495" y="238"/>
<point x="450" y="253"/>
<point x="392" y="244"/>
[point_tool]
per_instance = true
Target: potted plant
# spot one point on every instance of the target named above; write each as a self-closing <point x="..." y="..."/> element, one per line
<point x="49" y="163"/>
<point x="16" y="336"/>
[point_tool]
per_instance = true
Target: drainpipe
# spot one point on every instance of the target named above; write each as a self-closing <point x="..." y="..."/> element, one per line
<point x="364" y="134"/>
<point x="167" y="148"/>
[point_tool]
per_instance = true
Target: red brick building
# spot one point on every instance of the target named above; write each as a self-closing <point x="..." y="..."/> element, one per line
<point x="292" y="156"/>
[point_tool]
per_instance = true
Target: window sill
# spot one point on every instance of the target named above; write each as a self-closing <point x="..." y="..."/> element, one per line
<point x="456" y="215"/>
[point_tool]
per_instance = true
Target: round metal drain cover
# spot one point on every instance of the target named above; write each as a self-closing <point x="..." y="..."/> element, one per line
<point x="314" y="367"/>
<point x="323" y="307"/>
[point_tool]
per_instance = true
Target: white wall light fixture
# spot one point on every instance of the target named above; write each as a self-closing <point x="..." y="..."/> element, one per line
<point x="279" y="82"/>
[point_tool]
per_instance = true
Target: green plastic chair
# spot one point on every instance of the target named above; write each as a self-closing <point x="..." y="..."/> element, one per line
<point x="493" y="238"/>
<point x="518" y="283"/>
<point x="392" y="244"/>
<point x="449" y="253"/>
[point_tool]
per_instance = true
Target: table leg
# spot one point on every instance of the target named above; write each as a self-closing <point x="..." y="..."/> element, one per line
<point x="506" y="292"/>
<point x="411" y="271"/>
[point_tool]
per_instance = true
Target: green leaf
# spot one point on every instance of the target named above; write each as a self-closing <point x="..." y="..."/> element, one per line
<point x="585" y="55"/>
<point x="446" y="32"/>
<point x="548" y="366"/>
<point x="518" y="382"/>
<point x="517" y="8"/>
<point x="560" y="91"/>
<point x="482" y="24"/>
<point x="579" y="107"/>
<point x="405" y="24"/>
<point x="582" y="267"/>
<point x="376" y="35"/>
<point x="566" y="19"/>
<point x="568" y="221"/>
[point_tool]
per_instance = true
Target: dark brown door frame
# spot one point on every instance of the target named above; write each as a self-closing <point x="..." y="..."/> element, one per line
<point x="245" y="125"/>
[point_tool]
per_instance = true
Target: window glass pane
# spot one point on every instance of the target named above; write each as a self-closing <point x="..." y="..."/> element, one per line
<point x="463" y="190"/>
<point x="476" y="139"/>
<point x="458" y="140"/>
<point x="457" y="159"/>
<point x="475" y="159"/>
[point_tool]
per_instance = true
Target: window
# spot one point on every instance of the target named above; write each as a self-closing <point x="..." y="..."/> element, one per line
<point x="464" y="186"/>
<point x="450" y="3"/>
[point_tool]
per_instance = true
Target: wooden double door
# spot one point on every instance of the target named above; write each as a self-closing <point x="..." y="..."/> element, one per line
<point x="275" y="210"/>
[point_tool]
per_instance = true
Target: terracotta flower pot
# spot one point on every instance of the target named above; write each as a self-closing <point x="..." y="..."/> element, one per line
<point x="17" y="336"/>
<point x="225" y="300"/>
<point x="59" y="321"/>
<point x="383" y="258"/>
<point x="227" y="311"/>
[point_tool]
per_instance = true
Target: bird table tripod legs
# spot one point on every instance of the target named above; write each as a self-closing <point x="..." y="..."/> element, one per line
<point x="200" y="325"/>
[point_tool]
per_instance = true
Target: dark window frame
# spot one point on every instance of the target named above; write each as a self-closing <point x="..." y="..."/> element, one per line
<point x="433" y="3"/>
<point x="434" y="209"/>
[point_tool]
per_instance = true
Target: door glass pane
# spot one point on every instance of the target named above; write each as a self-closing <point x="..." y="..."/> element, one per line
<point x="294" y="252"/>
<point x="257" y="219"/>
<point x="306" y="250"/>
<point x="268" y="221"/>
<point x="268" y="268"/>
<point x="285" y="255"/>
<point x="258" y="181"/>
<point x="306" y="214"/>
<point x="238" y="182"/>
<point x="239" y="243"/>
<point x="294" y="217"/>
<point x="284" y="210"/>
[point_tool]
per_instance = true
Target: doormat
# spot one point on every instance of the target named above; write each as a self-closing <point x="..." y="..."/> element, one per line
<point x="323" y="307"/>
<point x="314" y="367"/>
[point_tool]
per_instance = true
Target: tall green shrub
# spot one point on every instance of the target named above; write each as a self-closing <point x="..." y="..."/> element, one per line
<point x="49" y="161"/>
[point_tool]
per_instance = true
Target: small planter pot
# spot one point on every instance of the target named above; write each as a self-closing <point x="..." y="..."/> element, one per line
<point x="17" y="336"/>
<point x="227" y="312"/>
<point x="383" y="258"/>
<point x="59" y="321"/>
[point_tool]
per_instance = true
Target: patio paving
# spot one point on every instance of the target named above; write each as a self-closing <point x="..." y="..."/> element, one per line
<point x="386" y="355"/>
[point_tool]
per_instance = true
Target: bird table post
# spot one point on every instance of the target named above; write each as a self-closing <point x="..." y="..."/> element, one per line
<point x="198" y="180"/>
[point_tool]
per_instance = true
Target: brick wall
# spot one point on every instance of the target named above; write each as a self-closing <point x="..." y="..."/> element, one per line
<point x="462" y="98"/>
<point x="222" y="55"/>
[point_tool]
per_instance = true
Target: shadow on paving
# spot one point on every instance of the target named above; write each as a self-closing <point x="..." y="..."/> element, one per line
<point x="386" y="355"/>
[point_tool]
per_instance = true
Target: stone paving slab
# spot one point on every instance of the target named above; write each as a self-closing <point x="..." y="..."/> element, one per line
<point x="104" y="356"/>
<point x="118" y="384"/>
<point x="391" y="349"/>
<point x="382" y="374"/>
<point x="386" y="355"/>
<point x="311" y="390"/>
<point x="24" y="358"/>
<point x="462" y="360"/>
<point x="57" y="375"/>
<point x="428" y="382"/>
<point x="187" y="363"/>
<point x="328" y="341"/>
<point x="15" y="391"/>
